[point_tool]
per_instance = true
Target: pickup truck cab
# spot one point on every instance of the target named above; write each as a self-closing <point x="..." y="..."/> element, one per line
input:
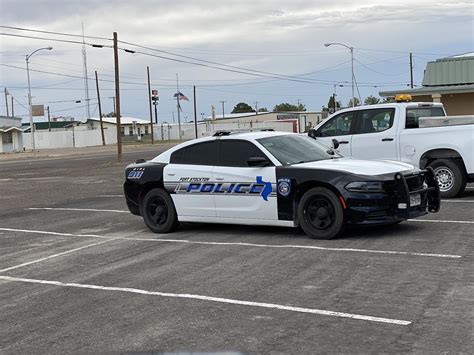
<point x="392" y="131"/>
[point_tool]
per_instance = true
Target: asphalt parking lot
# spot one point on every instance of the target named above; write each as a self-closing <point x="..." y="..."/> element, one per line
<point x="78" y="273"/>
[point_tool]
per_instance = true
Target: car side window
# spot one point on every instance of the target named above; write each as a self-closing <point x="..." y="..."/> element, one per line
<point x="236" y="152"/>
<point x="376" y="120"/>
<point x="339" y="125"/>
<point x="205" y="153"/>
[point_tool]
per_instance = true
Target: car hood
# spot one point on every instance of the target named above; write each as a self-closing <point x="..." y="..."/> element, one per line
<point x="358" y="166"/>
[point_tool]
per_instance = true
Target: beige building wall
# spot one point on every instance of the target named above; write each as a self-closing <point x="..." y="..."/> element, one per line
<point x="454" y="104"/>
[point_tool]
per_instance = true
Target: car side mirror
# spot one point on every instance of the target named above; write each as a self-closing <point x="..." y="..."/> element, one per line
<point x="335" y="143"/>
<point x="312" y="133"/>
<point x="257" y="162"/>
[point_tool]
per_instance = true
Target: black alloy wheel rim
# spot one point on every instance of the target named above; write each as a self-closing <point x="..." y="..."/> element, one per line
<point x="157" y="211"/>
<point x="319" y="213"/>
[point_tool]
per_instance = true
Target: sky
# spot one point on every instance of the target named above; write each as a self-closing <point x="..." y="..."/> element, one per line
<point x="272" y="51"/>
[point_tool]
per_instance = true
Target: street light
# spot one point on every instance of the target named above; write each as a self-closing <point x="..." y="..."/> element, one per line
<point x="32" y="127"/>
<point x="352" y="64"/>
<point x="334" y="92"/>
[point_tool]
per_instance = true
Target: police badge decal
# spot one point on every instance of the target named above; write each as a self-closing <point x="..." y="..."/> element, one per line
<point x="284" y="187"/>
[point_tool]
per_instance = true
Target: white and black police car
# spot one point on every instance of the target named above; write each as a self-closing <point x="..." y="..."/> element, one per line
<point x="275" y="179"/>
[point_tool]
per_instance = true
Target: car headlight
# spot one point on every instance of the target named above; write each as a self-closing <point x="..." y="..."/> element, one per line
<point x="365" y="186"/>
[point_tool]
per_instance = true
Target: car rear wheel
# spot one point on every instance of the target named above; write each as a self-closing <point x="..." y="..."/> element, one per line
<point x="450" y="177"/>
<point x="158" y="211"/>
<point x="320" y="214"/>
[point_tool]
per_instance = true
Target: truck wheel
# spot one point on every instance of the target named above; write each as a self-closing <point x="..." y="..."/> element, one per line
<point x="450" y="176"/>
<point x="320" y="214"/>
<point x="158" y="211"/>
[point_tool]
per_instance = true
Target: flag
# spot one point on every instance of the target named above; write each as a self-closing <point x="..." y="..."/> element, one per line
<point x="179" y="107"/>
<point x="180" y="96"/>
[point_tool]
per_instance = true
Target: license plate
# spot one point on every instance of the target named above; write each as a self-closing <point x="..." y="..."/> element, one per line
<point x="415" y="200"/>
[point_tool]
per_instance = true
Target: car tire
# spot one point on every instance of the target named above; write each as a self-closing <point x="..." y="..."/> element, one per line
<point x="158" y="211"/>
<point x="450" y="176"/>
<point x="320" y="214"/>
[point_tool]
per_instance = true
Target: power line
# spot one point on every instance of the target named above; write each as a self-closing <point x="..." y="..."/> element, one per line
<point x="54" y="33"/>
<point x="377" y="72"/>
<point x="239" y="69"/>
<point x="252" y="73"/>
<point x="54" y="40"/>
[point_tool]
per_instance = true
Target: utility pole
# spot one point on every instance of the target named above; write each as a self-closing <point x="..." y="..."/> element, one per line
<point x="334" y="98"/>
<point x="256" y="107"/>
<point x="49" y="119"/>
<point x="100" y="108"/>
<point x="117" y="99"/>
<point x="86" y="79"/>
<point x="6" y="100"/>
<point x="223" y="102"/>
<point x="352" y="76"/>
<point x="195" y="112"/>
<point x="13" y="109"/>
<point x="411" y="70"/>
<point x="178" y="107"/>
<point x="149" y="103"/>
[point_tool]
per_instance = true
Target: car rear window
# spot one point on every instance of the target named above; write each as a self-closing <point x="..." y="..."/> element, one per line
<point x="414" y="113"/>
<point x="196" y="154"/>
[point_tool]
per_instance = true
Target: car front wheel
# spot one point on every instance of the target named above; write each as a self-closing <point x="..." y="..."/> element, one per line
<point x="159" y="212"/>
<point x="450" y="177"/>
<point x="320" y="214"/>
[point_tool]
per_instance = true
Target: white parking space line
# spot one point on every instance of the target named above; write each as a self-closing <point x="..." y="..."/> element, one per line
<point x="457" y="201"/>
<point x="42" y="178"/>
<point x="284" y="246"/>
<point x="212" y="299"/>
<point x="55" y="255"/>
<point x="75" y="209"/>
<point x="110" y="196"/>
<point x="440" y="221"/>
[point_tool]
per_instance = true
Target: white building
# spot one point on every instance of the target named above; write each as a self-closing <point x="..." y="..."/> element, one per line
<point x="132" y="128"/>
<point x="11" y="134"/>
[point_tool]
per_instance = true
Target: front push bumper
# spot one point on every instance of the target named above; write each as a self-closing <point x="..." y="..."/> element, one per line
<point x="406" y="196"/>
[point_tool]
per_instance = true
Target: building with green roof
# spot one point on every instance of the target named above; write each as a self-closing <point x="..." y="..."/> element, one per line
<point x="447" y="80"/>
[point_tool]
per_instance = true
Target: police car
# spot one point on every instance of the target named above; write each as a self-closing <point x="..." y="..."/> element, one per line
<point x="274" y="179"/>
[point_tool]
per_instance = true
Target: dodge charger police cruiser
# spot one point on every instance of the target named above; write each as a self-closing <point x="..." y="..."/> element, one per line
<point x="275" y="179"/>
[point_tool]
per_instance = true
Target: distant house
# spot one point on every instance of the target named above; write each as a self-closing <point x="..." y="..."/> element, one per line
<point x="448" y="80"/>
<point x="305" y="119"/>
<point x="132" y="128"/>
<point x="11" y="134"/>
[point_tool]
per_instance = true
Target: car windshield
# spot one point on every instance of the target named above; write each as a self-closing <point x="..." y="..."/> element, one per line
<point x="294" y="149"/>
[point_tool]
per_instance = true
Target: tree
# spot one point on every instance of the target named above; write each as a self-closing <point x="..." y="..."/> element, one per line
<point x="356" y="101"/>
<point x="262" y="109"/>
<point x="110" y="114"/>
<point x="242" y="107"/>
<point x="285" y="107"/>
<point x="371" y="100"/>
<point x="330" y="107"/>
<point x="387" y="100"/>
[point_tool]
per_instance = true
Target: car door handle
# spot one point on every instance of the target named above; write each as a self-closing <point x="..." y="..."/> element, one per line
<point x="343" y="142"/>
<point x="387" y="139"/>
<point x="219" y="178"/>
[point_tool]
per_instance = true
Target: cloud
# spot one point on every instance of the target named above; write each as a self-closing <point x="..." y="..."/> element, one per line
<point x="275" y="36"/>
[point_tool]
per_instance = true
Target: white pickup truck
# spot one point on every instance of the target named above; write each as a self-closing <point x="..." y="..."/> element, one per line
<point x="407" y="132"/>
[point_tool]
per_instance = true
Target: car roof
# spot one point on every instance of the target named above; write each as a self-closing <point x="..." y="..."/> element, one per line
<point x="248" y="136"/>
